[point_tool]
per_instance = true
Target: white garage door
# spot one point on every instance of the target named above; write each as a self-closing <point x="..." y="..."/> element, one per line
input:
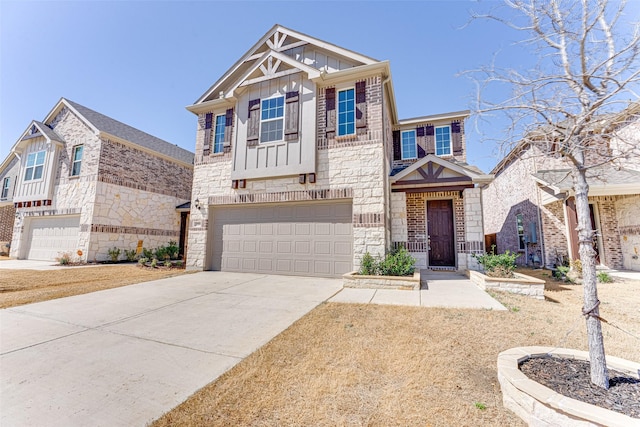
<point x="304" y="239"/>
<point x="50" y="236"/>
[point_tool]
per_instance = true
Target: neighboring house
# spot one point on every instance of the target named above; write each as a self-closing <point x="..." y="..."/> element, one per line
<point x="88" y="183"/>
<point x="8" y="177"/>
<point x="530" y="208"/>
<point x="302" y="166"/>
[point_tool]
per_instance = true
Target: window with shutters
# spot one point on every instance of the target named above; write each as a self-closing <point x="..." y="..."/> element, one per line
<point x="5" y="188"/>
<point x="346" y="112"/>
<point x="76" y="160"/>
<point x="272" y="119"/>
<point x="443" y="140"/>
<point x="408" y="145"/>
<point x="218" y="137"/>
<point x="34" y="166"/>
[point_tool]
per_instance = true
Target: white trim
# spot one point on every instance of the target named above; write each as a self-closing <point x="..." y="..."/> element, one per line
<point x="26" y="167"/>
<point x="284" y="111"/>
<point x="415" y="144"/>
<point x="215" y="131"/>
<point x="436" y="117"/>
<point x="435" y="140"/>
<point x="475" y="177"/>
<point x="353" y="88"/>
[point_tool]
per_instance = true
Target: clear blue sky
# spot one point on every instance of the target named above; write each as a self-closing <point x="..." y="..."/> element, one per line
<point x="142" y="62"/>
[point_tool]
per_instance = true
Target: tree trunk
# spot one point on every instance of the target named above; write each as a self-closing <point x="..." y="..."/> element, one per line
<point x="599" y="374"/>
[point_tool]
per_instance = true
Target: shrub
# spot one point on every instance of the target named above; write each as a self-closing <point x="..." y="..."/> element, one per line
<point x="603" y="277"/>
<point x="396" y="263"/>
<point x="114" y="254"/>
<point x="179" y="264"/>
<point x="64" y="258"/>
<point x="500" y="265"/>
<point x="143" y="260"/>
<point x="561" y="272"/>
<point x="130" y="254"/>
<point x="172" y="249"/>
<point x="147" y="253"/>
<point x="161" y="253"/>
<point x="576" y="266"/>
<point x="368" y="265"/>
<point x="154" y="263"/>
<point x="167" y="264"/>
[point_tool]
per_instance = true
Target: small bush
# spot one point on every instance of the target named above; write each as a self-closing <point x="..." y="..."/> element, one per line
<point x="147" y="253"/>
<point x="130" y="254"/>
<point x="167" y="264"/>
<point x="143" y="260"/>
<point x="396" y="263"/>
<point x="172" y="249"/>
<point x="603" y="277"/>
<point x="179" y="264"/>
<point x="368" y="265"/>
<point x="561" y="272"/>
<point x="114" y="254"/>
<point x="500" y="265"/>
<point x="154" y="263"/>
<point x="64" y="258"/>
<point x="161" y="253"/>
<point x="576" y="265"/>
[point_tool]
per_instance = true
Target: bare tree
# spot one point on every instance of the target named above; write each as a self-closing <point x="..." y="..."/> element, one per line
<point x="587" y="70"/>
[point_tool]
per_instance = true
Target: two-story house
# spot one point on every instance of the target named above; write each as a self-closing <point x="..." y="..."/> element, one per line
<point x="87" y="183"/>
<point x="302" y="166"/>
<point x="530" y="207"/>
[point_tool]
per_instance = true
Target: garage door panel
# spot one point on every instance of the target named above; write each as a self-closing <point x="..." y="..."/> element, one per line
<point x="303" y="239"/>
<point x="49" y="237"/>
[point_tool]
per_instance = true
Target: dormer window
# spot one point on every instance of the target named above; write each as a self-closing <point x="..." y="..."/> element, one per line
<point x="34" y="166"/>
<point x="272" y="119"/>
<point x="443" y="140"/>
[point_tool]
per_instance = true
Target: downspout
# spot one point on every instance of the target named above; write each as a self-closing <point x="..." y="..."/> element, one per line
<point x="387" y="184"/>
<point x="543" y="259"/>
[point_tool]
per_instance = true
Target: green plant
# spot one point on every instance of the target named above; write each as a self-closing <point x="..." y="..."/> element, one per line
<point x="179" y="264"/>
<point x="480" y="406"/>
<point x="497" y="265"/>
<point x="167" y="264"/>
<point x="147" y="253"/>
<point x="130" y="254"/>
<point x="154" y="263"/>
<point x="64" y="258"/>
<point x="397" y="263"/>
<point x="603" y="277"/>
<point x="114" y="254"/>
<point x="161" y="253"/>
<point x="143" y="260"/>
<point x="172" y="249"/>
<point x="368" y="265"/>
<point x="576" y="265"/>
<point x="561" y="272"/>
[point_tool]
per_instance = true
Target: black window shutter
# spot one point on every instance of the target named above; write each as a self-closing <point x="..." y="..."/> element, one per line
<point x="228" y="126"/>
<point x="420" y="131"/>
<point x="208" y="119"/>
<point x="456" y="138"/>
<point x="330" y="106"/>
<point x="291" y="116"/>
<point x="253" y="122"/>
<point x="431" y="140"/>
<point x="228" y="118"/>
<point x="361" y="105"/>
<point x="397" y="151"/>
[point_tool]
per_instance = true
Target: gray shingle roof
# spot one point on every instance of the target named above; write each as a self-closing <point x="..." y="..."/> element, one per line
<point x="114" y="127"/>
<point x="603" y="175"/>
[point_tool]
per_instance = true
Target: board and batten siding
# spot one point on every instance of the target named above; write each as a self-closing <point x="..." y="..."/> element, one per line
<point x="290" y="156"/>
<point x="41" y="189"/>
<point x="318" y="59"/>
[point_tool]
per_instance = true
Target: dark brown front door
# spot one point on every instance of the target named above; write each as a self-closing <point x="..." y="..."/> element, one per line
<point x="440" y="232"/>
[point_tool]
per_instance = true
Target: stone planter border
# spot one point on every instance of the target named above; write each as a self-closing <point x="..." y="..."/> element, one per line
<point x="521" y="284"/>
<point x="355" y="280"/>
<point x="538" y="405"/>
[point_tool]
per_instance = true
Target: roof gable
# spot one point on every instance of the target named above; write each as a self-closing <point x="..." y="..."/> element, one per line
<point x="280" y="42"/>
<point x="438" y="168"/>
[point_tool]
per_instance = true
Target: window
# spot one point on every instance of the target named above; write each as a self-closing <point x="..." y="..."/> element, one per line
<point x="35" y="165"/>
<point x="272" y="119"/>
<point x="5" y="188"/>
<point x="409" y="144"/>
<point x="520" y="228"/>
<point x="346" y="112"/>
<point x="218" y="139"/>
<point x="443" y="141"/>
<point x="76" y="161"/>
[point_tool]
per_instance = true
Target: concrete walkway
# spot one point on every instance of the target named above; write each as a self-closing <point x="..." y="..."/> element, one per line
<point x="125" y="356"/>
<point x="438" y="289"/>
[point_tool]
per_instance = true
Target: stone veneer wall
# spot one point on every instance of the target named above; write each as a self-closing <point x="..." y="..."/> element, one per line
<point x="628" y="216"/>
<point x="352" y="165"/>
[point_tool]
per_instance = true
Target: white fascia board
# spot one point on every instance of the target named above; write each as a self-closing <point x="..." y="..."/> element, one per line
<point x="214" y="104"/>
<point x="349" y="73"/>
<point x="442" y="162"/>
<point x="613" y="190"/>
<point x="19" y="145"/>
<point x="436" y="117"/>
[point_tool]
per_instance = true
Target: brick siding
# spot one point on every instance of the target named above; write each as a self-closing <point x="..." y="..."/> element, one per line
<point x="7" y="216"/>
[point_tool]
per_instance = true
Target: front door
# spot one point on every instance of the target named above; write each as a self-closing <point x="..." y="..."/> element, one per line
<point x="440" y="233"/>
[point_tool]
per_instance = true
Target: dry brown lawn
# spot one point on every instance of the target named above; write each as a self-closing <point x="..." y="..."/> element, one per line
<point x="19" y="287"/>
<point x="371" y="365"/>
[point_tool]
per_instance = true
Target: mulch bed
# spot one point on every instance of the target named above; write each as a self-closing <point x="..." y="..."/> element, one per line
<point x="572" y="378"/>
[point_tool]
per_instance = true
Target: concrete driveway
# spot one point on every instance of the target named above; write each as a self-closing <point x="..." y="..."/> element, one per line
<point x="124" y="356"/>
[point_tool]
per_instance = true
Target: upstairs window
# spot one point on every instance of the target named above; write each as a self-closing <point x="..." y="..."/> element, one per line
<point x="520" y="228"/>
<point x="5" y="188"/>
<point x="218" y="139"/>
<point x="443" y="141"/>
<point x="76" y="162"/>
<point x="346" y="112"/>
<point x="408" y="144"/>
<point x="34" y="166"/>
<point x="272" y="119"/>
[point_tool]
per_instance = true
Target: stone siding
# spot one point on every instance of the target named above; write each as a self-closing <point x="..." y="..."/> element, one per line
<point x="628" y="216"/>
